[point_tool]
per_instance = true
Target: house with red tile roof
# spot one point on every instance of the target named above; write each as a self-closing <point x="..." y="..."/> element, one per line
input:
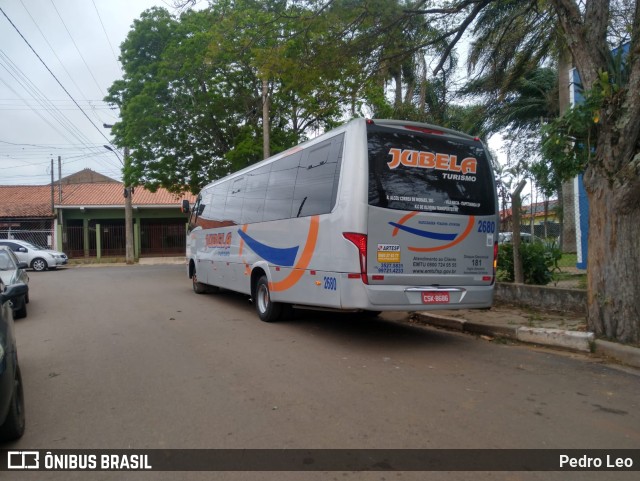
<point x="83" y="215"/>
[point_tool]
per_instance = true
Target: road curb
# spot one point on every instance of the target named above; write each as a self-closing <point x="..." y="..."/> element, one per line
<point x="571" y="340"/>
<point x="625" y="354"/>
<point x="574" y="340"/>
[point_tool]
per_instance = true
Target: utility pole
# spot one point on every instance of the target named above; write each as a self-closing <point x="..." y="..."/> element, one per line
<point x="128" y="207"/>
<point x="52" y="189"/>
<point x="60" y="179"/>
<point x="128" y="213"/>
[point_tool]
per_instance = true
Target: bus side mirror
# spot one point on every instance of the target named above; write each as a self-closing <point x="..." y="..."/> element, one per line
<point x="185" y="206"/>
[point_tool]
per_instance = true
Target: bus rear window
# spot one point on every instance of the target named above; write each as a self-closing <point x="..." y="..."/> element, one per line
<point x="428" y="173"/>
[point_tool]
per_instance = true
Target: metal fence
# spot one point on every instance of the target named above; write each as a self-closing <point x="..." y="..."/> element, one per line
<point x="155" y="240"/>
<point x="39" y="232"/>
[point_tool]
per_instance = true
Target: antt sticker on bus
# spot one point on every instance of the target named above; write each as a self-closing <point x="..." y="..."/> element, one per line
<point x="388" y="253"/>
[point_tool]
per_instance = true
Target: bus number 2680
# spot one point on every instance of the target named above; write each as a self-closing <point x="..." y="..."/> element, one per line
<point x="330" y="283"/>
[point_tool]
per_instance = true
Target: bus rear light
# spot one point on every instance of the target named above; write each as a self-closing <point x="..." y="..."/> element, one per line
<point x="353" y="276"/>
<point x="360" y="241"/>
<point x="377" y="278"/>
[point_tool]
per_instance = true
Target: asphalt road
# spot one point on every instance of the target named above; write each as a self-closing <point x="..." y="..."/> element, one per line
<point x="130" y="357"/>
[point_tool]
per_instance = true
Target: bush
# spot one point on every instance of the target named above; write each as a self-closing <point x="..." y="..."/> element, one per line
<point x="539" y="262"/>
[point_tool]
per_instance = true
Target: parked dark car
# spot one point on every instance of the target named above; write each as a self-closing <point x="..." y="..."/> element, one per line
<point x="13" y="272"/>
<point x="12" y="418"/>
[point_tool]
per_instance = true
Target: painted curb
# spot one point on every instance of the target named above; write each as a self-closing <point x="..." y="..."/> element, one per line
<point x="574" y="340"/>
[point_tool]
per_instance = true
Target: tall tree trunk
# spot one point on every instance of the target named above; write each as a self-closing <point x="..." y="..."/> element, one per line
<point x="516" y="204"/>
<point x="613" y="276"/>
<point x="566" y="194"/>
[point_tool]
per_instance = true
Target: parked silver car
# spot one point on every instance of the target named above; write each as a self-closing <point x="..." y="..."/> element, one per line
<point x="36" y="258"/>
<point x="60" y="257"/>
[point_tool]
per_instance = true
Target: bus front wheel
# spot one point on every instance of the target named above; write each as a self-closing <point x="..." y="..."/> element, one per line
<point x="268" y="311"/>
<point x="198" y="287"/>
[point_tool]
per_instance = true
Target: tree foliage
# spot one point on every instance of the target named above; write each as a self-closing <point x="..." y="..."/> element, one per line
<point x="191" y="98"/>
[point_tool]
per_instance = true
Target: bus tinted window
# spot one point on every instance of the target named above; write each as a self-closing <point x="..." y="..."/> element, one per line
<point x="219" y="200"/>
<point x="282" y="181"/>
<point x="235" y="197"/>
<point x="319" y="169"/>
<point x="429" y="173"/>
<point x="254" y="196"/>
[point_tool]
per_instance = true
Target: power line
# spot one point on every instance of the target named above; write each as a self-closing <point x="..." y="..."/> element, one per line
<point x="53" y="75"/>
<point x="52" y="49"/>
<point x="106" y="35"/>
<point x="77" y="49"/>
<point x="31" y="88"/>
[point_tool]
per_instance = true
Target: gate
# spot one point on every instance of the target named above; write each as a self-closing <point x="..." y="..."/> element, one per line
<point x="168" y="239"/>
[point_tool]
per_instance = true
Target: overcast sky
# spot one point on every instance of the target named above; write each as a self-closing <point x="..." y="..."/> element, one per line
<point x="79" y="41"/>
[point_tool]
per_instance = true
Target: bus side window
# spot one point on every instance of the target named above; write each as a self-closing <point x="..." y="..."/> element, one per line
<point x="314" y="192"/>
<point x="280" y="188"/>
<point x="218" y="201"/>
<point x="254" y="195"/>
<point x="235" y="198"/>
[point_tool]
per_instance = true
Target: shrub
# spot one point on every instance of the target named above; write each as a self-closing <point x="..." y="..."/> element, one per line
<point x="539" y="262"/>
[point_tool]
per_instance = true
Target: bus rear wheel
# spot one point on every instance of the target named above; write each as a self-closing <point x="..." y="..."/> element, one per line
<point x="267" y="310"/>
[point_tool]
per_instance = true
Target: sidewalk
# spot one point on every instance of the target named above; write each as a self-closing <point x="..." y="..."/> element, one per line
<point x="558" y="330"/>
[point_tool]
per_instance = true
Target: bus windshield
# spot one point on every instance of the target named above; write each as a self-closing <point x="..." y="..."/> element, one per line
<point x="417" y="171"/>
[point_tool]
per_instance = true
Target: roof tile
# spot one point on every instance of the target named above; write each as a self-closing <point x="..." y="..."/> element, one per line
<point x="21" y="201"/>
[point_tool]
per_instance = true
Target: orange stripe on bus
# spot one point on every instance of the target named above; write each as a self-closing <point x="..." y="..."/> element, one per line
<point x="450" y="244"/>
<point x="403" y="220"/>
<point x="244" y="229"/>
<point x="303" y="262"/>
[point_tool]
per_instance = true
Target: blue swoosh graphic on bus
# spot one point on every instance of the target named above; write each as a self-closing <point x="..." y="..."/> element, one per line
<point x="274" y="255"/>
<point x="424" y="233"/>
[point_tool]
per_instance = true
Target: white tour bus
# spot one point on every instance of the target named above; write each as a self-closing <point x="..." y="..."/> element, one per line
<point x="375" y="215"/>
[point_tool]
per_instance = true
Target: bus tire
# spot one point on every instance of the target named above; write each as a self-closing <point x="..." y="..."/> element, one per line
<point x="198" y="287"/>
<point x="267" y="311"/>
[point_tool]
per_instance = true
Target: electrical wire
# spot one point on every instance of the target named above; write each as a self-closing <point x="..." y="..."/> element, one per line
<point x="106" y="35"/>
<point x="54" y="76"/>
<point x="77" y="49"/>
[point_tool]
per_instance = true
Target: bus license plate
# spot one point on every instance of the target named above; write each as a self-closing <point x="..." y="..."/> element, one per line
<point x="435" y="298"/>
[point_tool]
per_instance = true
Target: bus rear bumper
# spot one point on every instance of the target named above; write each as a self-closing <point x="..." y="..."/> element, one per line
<point x="357" y="295"/>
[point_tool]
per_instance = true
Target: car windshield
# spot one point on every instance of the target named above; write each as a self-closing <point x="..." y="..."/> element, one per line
<point x="6" y="264"/>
